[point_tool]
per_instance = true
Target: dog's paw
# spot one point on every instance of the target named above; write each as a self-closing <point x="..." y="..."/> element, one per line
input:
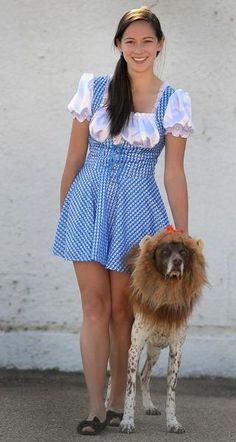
<point x="175" y="428"/>
<point x="127" y="426"/>
<point x="151" y="411"/>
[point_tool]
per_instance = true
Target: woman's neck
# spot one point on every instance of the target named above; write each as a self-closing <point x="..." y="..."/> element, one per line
<point x="143" y="81"/>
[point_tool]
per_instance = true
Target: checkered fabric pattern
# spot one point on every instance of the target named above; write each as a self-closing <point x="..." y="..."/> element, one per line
<point x="114" y="199"/>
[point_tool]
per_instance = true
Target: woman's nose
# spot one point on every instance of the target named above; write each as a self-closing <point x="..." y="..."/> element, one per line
<point x="138" y="48"/>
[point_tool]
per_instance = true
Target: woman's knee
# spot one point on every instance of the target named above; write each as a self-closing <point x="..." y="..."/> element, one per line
<point x="94" y="285"/>
<point x="121" y="311"/>
<point x="96" y="306"/>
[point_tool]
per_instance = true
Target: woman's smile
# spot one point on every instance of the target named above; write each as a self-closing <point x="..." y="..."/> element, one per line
<point x="139" y="59"/>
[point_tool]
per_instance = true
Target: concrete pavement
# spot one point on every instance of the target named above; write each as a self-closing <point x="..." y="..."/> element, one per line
<point x="46" y="406"/>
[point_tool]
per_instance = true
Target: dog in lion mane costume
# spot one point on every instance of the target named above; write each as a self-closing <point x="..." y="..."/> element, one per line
<point x="168" y="272"/>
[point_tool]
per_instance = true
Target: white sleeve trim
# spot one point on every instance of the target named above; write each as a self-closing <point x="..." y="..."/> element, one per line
<point x="178" y="115"/>
<point x="80" y="105"/>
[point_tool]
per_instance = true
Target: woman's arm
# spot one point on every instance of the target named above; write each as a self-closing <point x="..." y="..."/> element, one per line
<point x="76" y="155"/>
<point x="175" y="180"/>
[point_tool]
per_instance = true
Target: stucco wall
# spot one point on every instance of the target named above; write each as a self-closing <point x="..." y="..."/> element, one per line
<point x="45" y="47"/>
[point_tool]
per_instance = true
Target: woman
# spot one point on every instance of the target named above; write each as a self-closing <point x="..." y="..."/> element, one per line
<point x="110" y="200"/>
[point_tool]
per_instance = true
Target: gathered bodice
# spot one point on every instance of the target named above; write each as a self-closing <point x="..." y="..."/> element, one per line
<point x="141" y="129"/>
<point x="119" y="156"/>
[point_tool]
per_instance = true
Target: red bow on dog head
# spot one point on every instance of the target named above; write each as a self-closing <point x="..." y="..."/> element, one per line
<point x="170" y="229"/>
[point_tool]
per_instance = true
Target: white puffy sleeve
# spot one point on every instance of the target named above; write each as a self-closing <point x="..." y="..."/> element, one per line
<point x="80" y="105"/>
<point x="178" y="115"/>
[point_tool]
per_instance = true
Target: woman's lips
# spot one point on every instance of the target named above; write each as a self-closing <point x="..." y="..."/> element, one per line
<point x="139" y="59"/>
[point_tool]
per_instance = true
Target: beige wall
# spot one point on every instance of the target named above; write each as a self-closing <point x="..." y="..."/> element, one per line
<point x="45" y="47"/>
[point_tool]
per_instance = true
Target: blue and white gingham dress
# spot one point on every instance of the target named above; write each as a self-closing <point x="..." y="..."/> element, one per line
<point x="114" y="199"/>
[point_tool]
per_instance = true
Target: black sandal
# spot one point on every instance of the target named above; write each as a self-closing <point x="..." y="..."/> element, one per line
<point x="114" y="415"/>
<point x="95" y="424"/>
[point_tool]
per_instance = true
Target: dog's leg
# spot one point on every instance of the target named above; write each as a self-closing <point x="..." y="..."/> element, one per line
<point x="173" y="426"/>
<point x="108" y="392"/>
<point x="138" y="339"/>
<point x="153" y="353"/>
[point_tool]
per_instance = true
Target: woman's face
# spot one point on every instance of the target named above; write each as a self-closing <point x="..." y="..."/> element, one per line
<point x="139" y="45"/>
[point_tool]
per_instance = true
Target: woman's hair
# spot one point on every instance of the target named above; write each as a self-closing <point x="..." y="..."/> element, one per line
<point x="120" y="101"/>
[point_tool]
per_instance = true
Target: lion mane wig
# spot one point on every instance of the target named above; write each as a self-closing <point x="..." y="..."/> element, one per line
<point x="166" y="303"/>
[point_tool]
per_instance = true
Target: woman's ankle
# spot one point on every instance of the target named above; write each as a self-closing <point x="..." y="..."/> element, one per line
<point x="100" y="413"/>
<point x="116" y="405"/>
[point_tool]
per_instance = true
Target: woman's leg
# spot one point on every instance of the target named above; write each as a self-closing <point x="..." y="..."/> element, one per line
<point x="94" y="284"/>
<point x="120" y="334"/>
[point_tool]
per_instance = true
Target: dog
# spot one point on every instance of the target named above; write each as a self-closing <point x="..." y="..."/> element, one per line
<point x="168" y="272"/>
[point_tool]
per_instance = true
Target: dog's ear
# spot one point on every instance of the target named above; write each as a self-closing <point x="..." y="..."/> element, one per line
<point x="143" y="241"/>
<point x="200" y="243"/>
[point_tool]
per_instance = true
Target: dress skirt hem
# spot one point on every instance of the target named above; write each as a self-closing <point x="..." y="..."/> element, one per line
<point x="121" y="269"/>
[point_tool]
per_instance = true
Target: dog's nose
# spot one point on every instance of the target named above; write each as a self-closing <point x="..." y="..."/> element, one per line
<point x="177" y="262"/>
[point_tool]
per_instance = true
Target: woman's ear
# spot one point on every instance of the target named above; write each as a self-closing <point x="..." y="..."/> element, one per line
<point x="118" y="44"/>
<point x="160" y="44"/>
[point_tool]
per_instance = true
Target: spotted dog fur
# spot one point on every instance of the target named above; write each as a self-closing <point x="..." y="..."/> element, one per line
<point x="155" y="341"/>
<point x="157" y="326"/>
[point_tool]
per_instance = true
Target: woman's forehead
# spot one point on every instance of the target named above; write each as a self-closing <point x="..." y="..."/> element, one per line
<point x="139" y="28"/>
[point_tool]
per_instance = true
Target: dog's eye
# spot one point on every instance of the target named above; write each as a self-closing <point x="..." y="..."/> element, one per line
<point x="165" y="253"/>
<point x="183" y="252"/>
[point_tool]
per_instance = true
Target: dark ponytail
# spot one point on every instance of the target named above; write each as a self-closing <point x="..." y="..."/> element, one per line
<point x="120" y="100"/>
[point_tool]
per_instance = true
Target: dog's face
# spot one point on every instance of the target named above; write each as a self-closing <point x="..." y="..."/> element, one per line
<point x="168" y="273"/>
<point x="172" y="259"/>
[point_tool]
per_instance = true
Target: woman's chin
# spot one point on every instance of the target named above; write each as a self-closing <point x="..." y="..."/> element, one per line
<point x="140" y="67"/>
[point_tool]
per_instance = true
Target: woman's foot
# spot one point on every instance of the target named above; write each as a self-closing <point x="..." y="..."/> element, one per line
<point x="91" y="427"/>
